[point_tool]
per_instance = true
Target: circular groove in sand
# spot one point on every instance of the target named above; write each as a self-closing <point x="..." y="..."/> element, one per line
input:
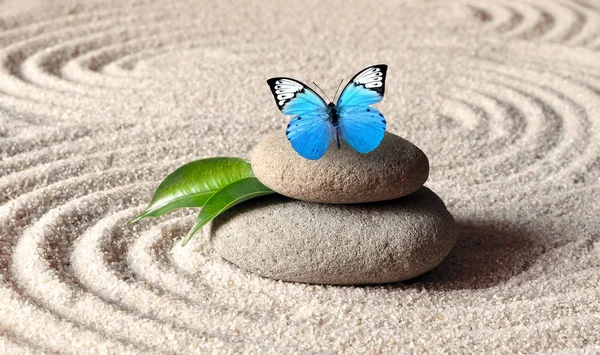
<point x="52" y="288"/>
<point x="565" y="22"/>
<point x="571" y="140"/>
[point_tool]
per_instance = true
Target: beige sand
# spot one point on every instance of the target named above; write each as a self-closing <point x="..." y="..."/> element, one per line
<point x="99" y="101"/>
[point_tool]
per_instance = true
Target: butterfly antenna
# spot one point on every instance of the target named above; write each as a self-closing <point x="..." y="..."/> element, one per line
<point x="336" y="90"/>
<point x="322" y="91"/>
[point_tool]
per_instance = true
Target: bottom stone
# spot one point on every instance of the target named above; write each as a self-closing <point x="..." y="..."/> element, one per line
<point x="371" y="243"/>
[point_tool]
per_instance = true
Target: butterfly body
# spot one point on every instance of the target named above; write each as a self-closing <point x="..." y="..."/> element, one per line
<point x="334" y="119"/>
<point x="315" y="123"/>
<point x="333" y="114"/>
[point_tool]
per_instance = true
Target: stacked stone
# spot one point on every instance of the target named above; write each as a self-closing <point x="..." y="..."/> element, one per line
<point x="353" y="218"/>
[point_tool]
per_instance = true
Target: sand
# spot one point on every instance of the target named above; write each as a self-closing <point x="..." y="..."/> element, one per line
<point x="100" y="100"/>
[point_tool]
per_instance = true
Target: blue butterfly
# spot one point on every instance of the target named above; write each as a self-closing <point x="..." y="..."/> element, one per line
<point x="317" y="123"/>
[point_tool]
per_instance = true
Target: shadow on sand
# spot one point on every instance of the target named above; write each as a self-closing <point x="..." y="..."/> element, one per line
<point x="486" y="254"/>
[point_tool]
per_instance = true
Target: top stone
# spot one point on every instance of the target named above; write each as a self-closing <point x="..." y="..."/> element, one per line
<point x="394" y="169"/>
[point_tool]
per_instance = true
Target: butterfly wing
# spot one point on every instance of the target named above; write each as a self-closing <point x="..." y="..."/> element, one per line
<point x="365" y="88"/>
<point x="293" y="97"/>
<point x="310" y="132"/>
<point x="362" y="127"/>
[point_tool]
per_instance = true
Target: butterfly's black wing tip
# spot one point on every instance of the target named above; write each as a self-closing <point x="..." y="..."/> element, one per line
<point x="382" y="67"/>
<point x="271" y="82"/>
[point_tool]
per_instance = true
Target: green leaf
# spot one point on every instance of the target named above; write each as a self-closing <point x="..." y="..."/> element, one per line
<point x="194" y="183"/>
<point x="231" y="195"/>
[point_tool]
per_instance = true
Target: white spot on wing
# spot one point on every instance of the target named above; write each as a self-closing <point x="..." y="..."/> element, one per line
<point x="286" y="85"/>
<point x="370" y="78"/>
<point x="286" y="89"/>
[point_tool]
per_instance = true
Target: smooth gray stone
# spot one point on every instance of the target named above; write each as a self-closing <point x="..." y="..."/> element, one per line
<point x="396" y="168"/>
<point x="299" y="241"/>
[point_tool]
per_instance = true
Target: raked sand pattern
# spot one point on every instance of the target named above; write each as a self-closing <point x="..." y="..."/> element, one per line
<point x="100" y="100"/>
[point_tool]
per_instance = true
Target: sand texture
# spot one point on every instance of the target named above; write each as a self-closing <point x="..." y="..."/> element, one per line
<point x="100" y="100"/>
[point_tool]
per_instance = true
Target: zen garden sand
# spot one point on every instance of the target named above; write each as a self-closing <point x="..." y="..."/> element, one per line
<point x="99" y="101"/>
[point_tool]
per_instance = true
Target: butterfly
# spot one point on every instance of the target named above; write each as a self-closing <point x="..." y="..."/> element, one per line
<point x="316" y="123"/>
